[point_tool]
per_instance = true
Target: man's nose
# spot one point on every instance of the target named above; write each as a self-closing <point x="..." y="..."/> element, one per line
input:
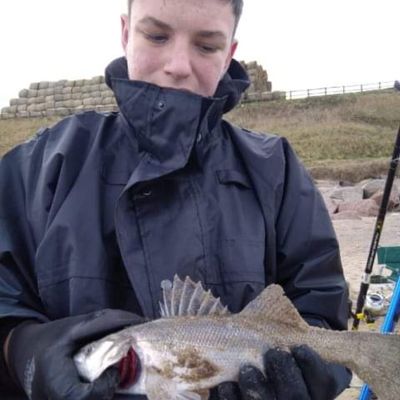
<point x="178" y="64"/>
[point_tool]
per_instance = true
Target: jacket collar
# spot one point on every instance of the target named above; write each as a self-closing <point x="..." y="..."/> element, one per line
<point x="231" y="87"/>
<point x="166" y="123"/>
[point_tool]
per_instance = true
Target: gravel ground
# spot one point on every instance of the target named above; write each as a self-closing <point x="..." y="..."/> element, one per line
<point x="355" y="239"/>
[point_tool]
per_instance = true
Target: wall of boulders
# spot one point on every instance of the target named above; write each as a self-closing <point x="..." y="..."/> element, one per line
<point x="65" y="97"/>
<point x="61" y="98"/>
<point x="348" y="201"/>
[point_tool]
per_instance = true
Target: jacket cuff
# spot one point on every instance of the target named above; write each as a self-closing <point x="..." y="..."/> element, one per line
<point x="7" y="383"/>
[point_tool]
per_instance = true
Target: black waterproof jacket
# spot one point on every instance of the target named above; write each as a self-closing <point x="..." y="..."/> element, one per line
<point x="96" y="211"/>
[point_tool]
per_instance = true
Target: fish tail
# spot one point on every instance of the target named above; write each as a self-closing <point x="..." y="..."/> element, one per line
<point x="378" y="364"/>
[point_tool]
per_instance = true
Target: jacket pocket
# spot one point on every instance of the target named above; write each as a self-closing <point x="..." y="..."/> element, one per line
<point x="241" y="274"/>
<point x="242" y="260"/>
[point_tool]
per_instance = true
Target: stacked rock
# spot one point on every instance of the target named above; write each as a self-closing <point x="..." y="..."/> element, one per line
<point x="260" y="87"/>
<point x="258" y="77"/>
<point x="61" y="98"/>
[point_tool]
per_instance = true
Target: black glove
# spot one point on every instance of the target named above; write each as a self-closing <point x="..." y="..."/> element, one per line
<point x="299" y="375"/>
<point x="40" y="355"/>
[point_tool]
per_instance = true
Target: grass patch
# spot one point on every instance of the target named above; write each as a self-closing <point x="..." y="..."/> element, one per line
<point x="16" y="131"/>
<point x="348" y="137"/>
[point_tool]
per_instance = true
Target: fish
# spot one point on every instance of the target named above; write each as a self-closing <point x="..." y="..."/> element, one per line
<point x="197" y="344"/>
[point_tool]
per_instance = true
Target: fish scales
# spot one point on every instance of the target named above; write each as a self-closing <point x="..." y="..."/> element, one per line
<point x="188" y="350"/>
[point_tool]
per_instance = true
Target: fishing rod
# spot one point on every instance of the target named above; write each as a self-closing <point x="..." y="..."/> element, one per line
<point x="366" y="278"/>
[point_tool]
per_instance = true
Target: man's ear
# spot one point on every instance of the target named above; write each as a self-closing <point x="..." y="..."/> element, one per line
<point x="124" y="31"/>
<point x="231" y="53"/>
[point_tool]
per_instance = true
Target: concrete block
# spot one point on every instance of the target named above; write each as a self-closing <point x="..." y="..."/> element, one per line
<point x="108" y="101"/>
<point x="49" y="104"/>
<point x="40" y="107"/>
<point x="40" y="99"/>
<point x="7" y="116"/>
<point x="96" y="95"/>
<point x="32" y="93"/>
<point x="43" y="85"/>
<point x="23" y="93"/>
<point x="89" y="102"/>
<point x="50" y="112"/>
<point x="34" y="86"/>
<point x="62" y="111"/>
<point x="60" y="83"/>
<point x="49" y="91"/>
<point x="95" y="88"/>
<point x="35" y="114"/>
<point x="97" y="79"/>
<point x="86" y="89"/>
<point x="77" y="103"/>
<point x="69" y="104"/>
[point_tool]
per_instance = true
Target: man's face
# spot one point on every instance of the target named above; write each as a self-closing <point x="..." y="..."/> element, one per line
<point x="181" y="44"/>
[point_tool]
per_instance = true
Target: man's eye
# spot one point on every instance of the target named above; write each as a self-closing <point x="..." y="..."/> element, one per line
<point x="205" y="48"/>
<point x="156" y="38"/>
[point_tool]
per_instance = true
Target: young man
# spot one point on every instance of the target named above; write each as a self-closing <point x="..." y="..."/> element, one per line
<point x="98" y="210"/>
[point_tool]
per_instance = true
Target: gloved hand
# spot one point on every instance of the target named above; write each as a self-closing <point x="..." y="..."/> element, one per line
<point x="299" y="375"/>
<point x="40" y="355"/>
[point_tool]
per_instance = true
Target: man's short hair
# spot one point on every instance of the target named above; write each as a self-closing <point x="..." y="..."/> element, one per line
<point x="237" y="6"/>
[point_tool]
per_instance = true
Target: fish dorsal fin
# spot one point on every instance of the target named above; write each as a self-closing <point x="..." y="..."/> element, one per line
<point x="273" y="305"/>
<point x="182" y="298"/>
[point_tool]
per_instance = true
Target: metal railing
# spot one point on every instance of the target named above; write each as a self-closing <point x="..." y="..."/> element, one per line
<point x="364" y="87"/>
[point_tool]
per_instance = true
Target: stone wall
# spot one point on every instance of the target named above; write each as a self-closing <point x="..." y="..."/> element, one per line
<point x="64" y="97"/>
<point x="61" y="98"/>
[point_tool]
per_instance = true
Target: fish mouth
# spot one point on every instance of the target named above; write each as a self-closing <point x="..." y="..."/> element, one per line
<point x="129" y="368"/>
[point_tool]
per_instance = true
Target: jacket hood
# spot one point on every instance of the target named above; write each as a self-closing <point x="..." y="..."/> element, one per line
<point x="230" y="88"/>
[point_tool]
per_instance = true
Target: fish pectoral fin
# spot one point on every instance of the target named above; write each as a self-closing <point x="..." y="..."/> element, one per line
<point x="158" y="387"/>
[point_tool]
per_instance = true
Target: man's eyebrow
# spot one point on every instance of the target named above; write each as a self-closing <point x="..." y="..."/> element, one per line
<point x="162" y="25"/>
<point x="212" y="35"/>
<point x="156" y="22"/>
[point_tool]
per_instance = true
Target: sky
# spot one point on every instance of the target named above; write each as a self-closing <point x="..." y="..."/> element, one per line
<point x="303" y="44"/>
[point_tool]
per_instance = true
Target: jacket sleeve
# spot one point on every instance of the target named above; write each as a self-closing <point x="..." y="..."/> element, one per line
<point x="18" y="289"/>
<point x="308" y="258"/>
<point x="19" y="298"/>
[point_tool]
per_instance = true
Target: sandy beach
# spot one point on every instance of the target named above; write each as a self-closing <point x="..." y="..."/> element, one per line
<point x="355" y="240"/>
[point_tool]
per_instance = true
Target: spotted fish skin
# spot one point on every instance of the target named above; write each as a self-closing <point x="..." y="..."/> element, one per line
<point x="198" y="344"/>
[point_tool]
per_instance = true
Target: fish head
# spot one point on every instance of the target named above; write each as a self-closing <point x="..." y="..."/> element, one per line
<point x="93" y="359"/>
